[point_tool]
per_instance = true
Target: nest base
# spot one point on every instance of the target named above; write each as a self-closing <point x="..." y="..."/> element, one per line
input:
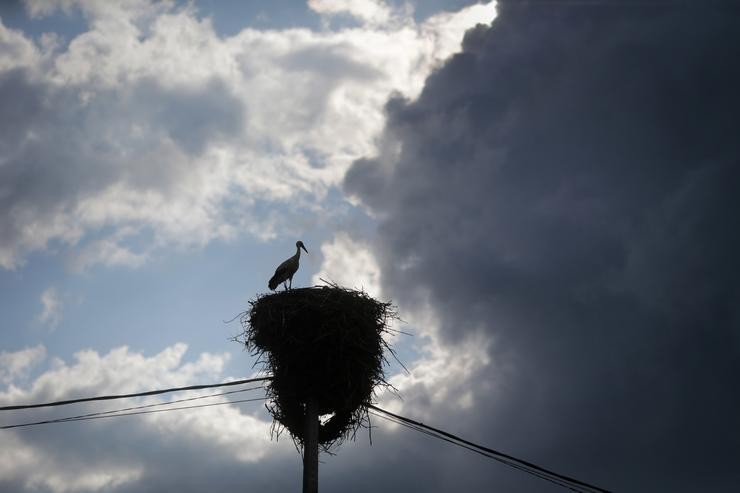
<point x="324" y="342"/>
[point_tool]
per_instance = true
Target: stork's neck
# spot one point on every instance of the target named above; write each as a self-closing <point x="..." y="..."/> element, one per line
<point x="297" y="253"/>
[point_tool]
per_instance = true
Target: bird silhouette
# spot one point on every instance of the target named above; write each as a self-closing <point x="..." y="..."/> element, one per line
<point x="285" y="271"/>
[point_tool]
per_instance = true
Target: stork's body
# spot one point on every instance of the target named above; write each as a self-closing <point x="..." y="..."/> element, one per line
<point x="285" y="271"/>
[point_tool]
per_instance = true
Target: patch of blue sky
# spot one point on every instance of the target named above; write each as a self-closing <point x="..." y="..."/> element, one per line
<point x="65" y="25"/>
<point x="20" y="303"/>
<point x="230" y="17"/>
<point x="407" y="351"/>
<point x="182" y="297"/>
<point x="336" y="215"/>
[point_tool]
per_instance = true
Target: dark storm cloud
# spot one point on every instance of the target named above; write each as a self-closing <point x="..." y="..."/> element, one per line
<point x="569" y="184"/>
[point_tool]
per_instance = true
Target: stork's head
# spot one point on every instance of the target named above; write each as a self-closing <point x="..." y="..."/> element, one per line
<point x="299" y="244"/>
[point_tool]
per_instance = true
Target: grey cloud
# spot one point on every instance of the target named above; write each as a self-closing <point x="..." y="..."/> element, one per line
<point x="316" y="71"/>
<point x="191" y="116"/>
<point x="333" y="62"/>
<point x="61" y="145"/>
<point x="567" y="183"/>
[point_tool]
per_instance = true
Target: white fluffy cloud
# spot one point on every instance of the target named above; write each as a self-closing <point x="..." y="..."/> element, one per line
<point x="151" y="122"/>
<point x="112" y="454"/>
<point x="15" y="365"/>
<point x="375" y="11"/>
<point x="350" y="263"/>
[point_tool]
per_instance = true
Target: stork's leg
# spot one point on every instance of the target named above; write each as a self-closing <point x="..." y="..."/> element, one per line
<point x="285" y="285"/>
<point x="291" y="282"/>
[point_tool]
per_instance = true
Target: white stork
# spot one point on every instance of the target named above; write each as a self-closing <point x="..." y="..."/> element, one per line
<point x="287" y="269"/>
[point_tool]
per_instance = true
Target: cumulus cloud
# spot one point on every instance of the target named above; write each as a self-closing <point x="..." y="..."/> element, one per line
<point x="16" y="365"/>
<point x="561" y="189"/>
<point x="350" y="263"/>
<point x="16" y="50"/>
<point x="375" y="11"/>
<point x="154" y="452"/>
<point x="51" y="308"/>
<point x="150" y="121"/>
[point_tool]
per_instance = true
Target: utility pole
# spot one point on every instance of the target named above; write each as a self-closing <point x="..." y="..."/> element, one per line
<point x="311" y="447"/>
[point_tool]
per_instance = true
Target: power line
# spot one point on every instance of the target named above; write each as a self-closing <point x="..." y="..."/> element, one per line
<point x="138" y="394"/>
<point x="520" y="464"/>
<point x="528" y="467"/>
<point x="164" y="410"/>
<point x="114" y="412"/>
<point x="480" y="452"/>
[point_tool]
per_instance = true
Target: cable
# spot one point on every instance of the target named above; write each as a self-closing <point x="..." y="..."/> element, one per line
<point x="117" y="413"/>
<point x="512" y="462"/>
<point x="165" y="410"/>
<point x="485" y="454"/>
<point x="528" y="467"/>
<point x="138" y="394"/>
<point x="82" y="417"/>
<point x="553" y="480"/>
<point x="500" y="456"/>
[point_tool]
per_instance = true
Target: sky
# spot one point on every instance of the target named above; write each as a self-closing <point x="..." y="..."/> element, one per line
<point x="547" y="191"/>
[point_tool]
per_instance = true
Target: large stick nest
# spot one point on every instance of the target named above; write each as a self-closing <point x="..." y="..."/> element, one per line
<point x="324" y="342"/>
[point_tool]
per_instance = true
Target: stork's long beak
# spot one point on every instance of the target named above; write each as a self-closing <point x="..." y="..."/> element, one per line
<point x="304" y="248"/>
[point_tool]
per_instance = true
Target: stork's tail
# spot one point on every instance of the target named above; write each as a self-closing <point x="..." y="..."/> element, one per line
<point x="273" y="282"/>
